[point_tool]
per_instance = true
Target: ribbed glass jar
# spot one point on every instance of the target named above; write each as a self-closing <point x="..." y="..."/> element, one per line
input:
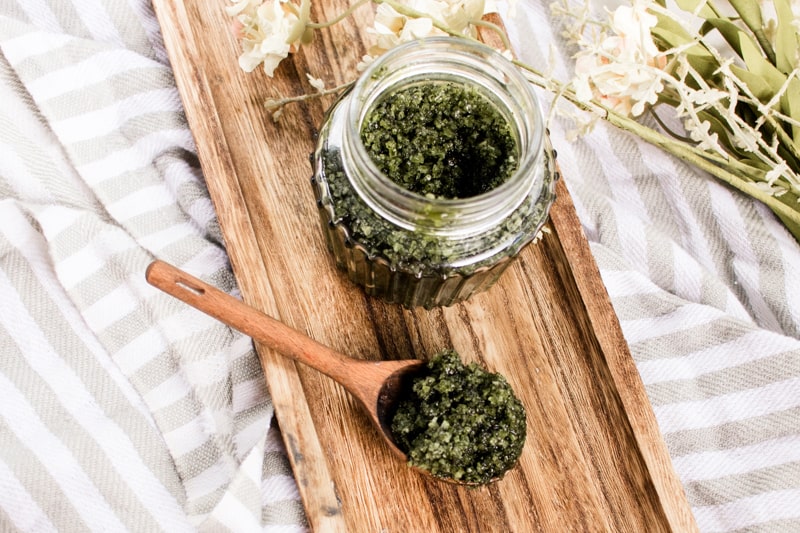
<point x="420" y="250"/>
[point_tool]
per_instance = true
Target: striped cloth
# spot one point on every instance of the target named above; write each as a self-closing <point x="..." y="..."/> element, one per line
<point x="706" y="284"/>
<point x="121" y="409"/>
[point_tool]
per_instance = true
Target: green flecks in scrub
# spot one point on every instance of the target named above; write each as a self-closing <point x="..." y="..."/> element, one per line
<point x="460" y="422"/>
<point x="440" y="139"/>
<point x="421" y="251"/>
<point x="414" y="251"/>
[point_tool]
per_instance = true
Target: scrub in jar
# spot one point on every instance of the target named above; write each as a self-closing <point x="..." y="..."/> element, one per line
<point x="460" y="422"/>
<point x="440" y="139"/>
<point x="431" y="174"/>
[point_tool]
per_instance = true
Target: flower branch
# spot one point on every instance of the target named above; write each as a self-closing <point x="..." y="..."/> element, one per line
<point x="739" y="105"/>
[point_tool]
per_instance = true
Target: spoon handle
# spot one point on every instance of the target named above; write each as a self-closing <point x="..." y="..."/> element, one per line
<point x="249" y="320"/>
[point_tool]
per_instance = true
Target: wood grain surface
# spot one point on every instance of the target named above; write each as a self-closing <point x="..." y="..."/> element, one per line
<point x="594" y="459"/>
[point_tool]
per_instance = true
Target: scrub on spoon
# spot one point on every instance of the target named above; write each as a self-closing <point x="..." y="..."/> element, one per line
<point x="378" y="385"/>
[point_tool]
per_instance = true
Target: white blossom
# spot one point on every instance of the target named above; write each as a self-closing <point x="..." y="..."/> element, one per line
<point x="264" y="29"/>
<point x="316" y="83"/>
<point x="623" y="70"/>
<point x="392" y="28"/>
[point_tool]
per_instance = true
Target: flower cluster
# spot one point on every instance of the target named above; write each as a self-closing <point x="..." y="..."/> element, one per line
<point x="622" y="70"/>
<point x="732" y="83"/>
<point x="401" y="22"/>
<point x="269" y="30"/>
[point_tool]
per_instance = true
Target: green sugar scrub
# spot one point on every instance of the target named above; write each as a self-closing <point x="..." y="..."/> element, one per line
<point x="441" y="139"/>
<point x="460" y="422"/>
<point x="433" y="172"/>
<point x="419" y="252"/>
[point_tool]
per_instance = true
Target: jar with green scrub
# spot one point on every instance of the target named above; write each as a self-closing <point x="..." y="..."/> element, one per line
<point x="433" y="172"/>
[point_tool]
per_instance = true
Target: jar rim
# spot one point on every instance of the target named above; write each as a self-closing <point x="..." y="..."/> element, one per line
<point x="505" y="75"/>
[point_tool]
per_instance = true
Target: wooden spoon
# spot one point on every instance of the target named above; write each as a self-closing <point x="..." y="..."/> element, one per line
<point x="375" y="384"/>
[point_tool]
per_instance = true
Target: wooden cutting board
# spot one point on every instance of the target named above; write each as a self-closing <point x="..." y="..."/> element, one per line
<point x="594" y="459"/>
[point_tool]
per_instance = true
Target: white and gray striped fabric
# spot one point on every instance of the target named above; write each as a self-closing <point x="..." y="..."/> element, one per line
<point x="122" y="410"/>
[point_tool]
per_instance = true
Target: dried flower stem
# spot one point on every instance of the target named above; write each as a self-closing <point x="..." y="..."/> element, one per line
<point x="280" y="102"/>
<point x="346" y="13"/>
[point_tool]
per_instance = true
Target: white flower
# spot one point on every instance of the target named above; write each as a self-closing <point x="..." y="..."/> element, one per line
<point x="392" y="28"/>
<point x="265" y="31"/>
<point x="316" y="83"/>
<point x="459" y="14"/>
<point x="622" y="71"/>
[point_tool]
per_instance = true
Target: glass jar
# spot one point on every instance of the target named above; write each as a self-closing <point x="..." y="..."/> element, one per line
<point x="423" y="250"/>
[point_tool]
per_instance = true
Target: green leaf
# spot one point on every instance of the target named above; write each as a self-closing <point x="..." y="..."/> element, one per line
<point x="790" y="105"/>
<point x="786" y="45"/>
<point x="704" y="64"/>
<point x="757" y="85"/>
<point x="729" y="31"/>
<point x="750" y="13"/>
<point x="671" y="31"/>
<point x="669" y="34"/>
<point x="760" y="66"/>
<point x="691" y="6"/>
<point x="719" y="126"/>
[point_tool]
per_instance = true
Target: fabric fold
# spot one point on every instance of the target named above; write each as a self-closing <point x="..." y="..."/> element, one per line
<point x="101" y="173"/>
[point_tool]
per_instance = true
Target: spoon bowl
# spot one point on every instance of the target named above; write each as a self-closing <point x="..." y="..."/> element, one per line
<point x="377" y="385"/>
